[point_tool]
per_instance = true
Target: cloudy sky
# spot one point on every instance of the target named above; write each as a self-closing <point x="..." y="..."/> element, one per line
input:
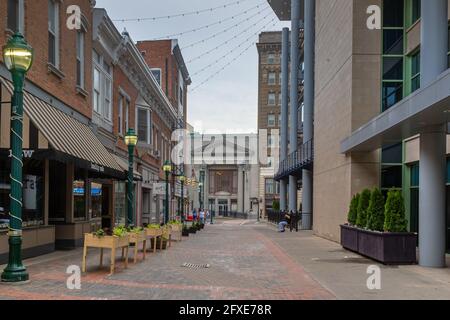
<point x="227" y="102"/>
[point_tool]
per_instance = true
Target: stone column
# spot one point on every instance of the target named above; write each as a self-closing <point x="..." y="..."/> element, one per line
<point x="284" y="112"/>
<point x="308" y="130"/>
<point x="240" y="202"/>
<point x="434" y="38"/>
<point x="295" y="30"/>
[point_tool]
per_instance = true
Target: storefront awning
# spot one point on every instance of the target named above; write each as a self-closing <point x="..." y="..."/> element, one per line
<point x="69" y="138"/>
<point x="124" y="165"/>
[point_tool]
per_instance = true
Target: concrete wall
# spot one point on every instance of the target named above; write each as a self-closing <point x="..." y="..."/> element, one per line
<point x="347" y="94"/>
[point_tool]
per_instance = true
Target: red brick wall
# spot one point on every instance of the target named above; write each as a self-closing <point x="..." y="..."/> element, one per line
<point x="157" y="55"/>
<point x="36" y="33"/>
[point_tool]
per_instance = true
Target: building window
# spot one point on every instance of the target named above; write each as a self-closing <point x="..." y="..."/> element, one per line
<point x="271" y="99"/>
<point x="393" y="53"/>
<point x="53" y="32"/>
<point x="271" y="121"/>
<point x="120" y="115"/>
<point x="415" y="72"/>
<point x="144" y="126"/>
<point x="107" y="96"/>
<point x="416" y="11"/>
<point x="181" y="98"/>
<point x="127" y="110"/>
<point x="270" y="186"/>
<point x="272" y="78"/>
<point x="102" y="87"/>
<point x="96" y="90"/>
<point x="80" y="58"/>
<point x="280" y="99"/>
<point x="157" y="74"/>
<point x="119" y="202"/>
<point x="271" y="58"/>
<point x="15" y="15"/>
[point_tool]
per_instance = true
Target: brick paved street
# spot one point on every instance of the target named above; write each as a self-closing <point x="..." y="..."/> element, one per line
<point x="248" y="260"/>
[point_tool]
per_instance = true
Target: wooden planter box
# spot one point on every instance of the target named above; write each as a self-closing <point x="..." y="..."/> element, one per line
<point x="385" y="247"/>
<point x="156" y="242"/>
<point x="106" y="242"/>
<point x="176" y="231"/>
<point x="153" y="234"/>
<point x="138" y="238"/>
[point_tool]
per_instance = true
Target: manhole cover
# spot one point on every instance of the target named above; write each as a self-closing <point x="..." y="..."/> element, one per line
<point x="195" y="266"/>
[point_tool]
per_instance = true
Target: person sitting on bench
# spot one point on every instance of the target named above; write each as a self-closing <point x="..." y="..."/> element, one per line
<point x="285" y="220"/>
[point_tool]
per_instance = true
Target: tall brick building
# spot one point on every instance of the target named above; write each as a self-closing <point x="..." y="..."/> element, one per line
<point x="269" y="112"/>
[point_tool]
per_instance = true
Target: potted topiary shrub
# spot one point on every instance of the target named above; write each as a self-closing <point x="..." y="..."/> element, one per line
<point x="349" y="231"/>
<point x="385" y="237"/>
<point x="363" y="206"/>
<point x="193" y="228"/>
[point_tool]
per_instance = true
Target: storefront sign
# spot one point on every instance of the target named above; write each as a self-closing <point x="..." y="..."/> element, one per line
<point x="160" y="189"/>
<point x="27" y="154"/>
<point x="97" y="168"/>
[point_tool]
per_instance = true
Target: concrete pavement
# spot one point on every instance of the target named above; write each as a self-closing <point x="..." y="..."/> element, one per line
<point x="247" y="259"/>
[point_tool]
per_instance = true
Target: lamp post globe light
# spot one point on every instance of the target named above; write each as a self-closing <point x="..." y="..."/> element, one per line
<point x="182" y="180"/>
<point x="18" y="58"/>
<point x="131" y="140"/>
<point x="167" y="168"/>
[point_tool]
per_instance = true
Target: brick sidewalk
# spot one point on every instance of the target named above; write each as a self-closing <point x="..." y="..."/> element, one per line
<point x="244" y="264"/>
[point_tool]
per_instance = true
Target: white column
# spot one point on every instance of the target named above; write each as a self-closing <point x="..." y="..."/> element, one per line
<point x="434" y="41"/>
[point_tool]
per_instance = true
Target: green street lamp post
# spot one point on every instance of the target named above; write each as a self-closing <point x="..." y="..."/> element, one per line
<point x="167" y="168"/>
<point x="182" y="180"/>
<point x="18" y="58"/>
<point x="131" y="140"/>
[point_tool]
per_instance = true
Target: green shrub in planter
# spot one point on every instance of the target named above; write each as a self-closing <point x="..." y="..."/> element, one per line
<point x="395" y="220"/>
<point x="375" y="212"/>
<point x="363" y="205"/>
<point x="353" y="211"/>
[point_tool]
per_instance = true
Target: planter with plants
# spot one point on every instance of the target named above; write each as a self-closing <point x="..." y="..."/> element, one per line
<point x="153" y="231"/>
<point x="119" y="239"/>
<point x="176" y="229"/>
<point x="164" y="241"/>
<point x="138" y="235"/>
<point x="379" y="230"/>
<point x="185" y="231"/>
<point x="193" y="228"/>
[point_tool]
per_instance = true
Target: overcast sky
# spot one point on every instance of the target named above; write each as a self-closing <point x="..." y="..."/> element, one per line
<point x="228" y="102"/>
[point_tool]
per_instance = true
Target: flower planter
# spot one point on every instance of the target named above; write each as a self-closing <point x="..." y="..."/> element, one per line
<point x="161" y="246"/>
<point x="152" y="234"/>
<point x="176" y="231"/>
<point x="106" y="242"/>
<point x="192" y="230"/>
<point x="349" y="237"/>
<point x="137" y="238"/>
<point x="185" y="233"/>
<point x="385" y="247"/>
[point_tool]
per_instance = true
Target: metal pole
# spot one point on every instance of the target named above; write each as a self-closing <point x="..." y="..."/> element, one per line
<point x="130" y="193"/>
<point x="15" y="270"/>
<point x="182" y="199"/>
<point x="166" y="213"/>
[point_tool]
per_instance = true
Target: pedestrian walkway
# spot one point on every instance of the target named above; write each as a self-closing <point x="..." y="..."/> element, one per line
<point x="233" y="259"/>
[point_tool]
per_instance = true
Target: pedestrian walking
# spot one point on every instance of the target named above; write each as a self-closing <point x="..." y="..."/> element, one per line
<point x="202" y="216"/>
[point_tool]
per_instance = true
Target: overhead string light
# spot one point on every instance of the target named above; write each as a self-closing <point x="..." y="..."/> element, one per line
<point x="215" y="74"/>
<point x="230" y="39"/>
<point x="174" y="35"/>
<point x="232" y="50"/>
<point x="226" y="30"/>
<point x="185" y="14"/>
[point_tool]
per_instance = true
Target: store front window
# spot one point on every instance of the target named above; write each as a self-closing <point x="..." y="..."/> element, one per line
<point x="119" y="203"/>
<point x="96" y="199"/>
<point x="33" y="194"/>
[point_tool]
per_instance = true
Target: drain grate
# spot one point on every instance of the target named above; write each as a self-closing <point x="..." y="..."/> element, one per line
<point x="195" y="266"/>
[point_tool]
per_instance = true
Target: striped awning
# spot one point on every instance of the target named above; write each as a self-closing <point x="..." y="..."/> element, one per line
<point x="63" y="133"/>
